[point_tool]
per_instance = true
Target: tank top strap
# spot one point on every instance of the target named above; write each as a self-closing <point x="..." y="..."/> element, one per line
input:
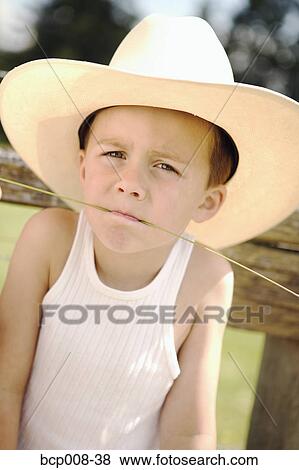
<point x="73" y="260"/>
<point x="179" y="264"/>
<point x="74" y="263"/>
<point x="169" y="294"/>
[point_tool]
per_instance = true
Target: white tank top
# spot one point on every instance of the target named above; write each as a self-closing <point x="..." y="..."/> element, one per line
<point x="95" y="383"/>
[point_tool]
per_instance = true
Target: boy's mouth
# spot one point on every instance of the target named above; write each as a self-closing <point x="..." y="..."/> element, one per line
<point x="127" y="216"/>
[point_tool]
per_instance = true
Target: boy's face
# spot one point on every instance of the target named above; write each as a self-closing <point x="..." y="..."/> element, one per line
<point x="139" y="179"/>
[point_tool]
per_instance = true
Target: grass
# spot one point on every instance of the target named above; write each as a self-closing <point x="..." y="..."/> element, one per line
<point x="241" y="357"/>
<point x="241" y="349"/>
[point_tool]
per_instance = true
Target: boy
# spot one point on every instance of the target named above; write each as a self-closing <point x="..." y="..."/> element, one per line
<point x="129" y="254"/>
<point x="105" y="382"/>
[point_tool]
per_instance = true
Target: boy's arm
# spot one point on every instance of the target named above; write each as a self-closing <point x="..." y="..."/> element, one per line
<point x="25" y="285"/>
<point x="188" y="415"/>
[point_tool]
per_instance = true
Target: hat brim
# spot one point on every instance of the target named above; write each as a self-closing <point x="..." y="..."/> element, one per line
<point x="43" y="103"/>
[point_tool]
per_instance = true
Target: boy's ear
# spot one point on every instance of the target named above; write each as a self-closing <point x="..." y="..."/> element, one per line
<point x="210" y="204"/>
<point x="82" y="165"/>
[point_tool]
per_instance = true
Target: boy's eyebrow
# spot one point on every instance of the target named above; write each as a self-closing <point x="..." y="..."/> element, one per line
<point x="167" y="153"/>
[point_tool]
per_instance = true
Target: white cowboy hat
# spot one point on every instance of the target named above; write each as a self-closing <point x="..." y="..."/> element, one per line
<point x="167" y="62"/>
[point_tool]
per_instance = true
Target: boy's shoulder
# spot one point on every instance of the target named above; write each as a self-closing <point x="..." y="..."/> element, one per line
<point x="59" y="225"/>
<point x="57" y="221"/>
<point x="208" y="271"/>
<point x="61" y="214"/>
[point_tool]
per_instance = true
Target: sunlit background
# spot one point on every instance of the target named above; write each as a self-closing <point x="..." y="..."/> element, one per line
<point x="261" y="39"/>
<point x="15" y="13"/>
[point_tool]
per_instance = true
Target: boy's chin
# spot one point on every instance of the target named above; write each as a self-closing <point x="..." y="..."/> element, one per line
<point x="123" y="242"/>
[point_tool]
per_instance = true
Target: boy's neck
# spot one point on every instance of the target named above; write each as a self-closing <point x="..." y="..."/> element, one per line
<point x="131" y="271"/>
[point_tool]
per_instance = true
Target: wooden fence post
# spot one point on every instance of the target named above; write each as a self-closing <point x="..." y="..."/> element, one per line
<point x="278" y="390"/>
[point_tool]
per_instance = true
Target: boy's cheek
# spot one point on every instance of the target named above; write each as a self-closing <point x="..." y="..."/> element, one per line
<point x="93" y="188"/>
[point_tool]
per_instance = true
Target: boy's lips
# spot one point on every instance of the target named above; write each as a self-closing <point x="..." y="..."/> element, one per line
<point x="125" y="214"/>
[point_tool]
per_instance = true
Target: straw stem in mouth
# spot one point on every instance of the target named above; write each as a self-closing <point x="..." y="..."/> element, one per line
<point x="60" y="196"/>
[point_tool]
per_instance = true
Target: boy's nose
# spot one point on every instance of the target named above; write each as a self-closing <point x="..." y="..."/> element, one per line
<point x="131" y="182"/>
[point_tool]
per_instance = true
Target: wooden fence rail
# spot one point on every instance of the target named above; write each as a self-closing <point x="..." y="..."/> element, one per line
<point x="258" y="305"/>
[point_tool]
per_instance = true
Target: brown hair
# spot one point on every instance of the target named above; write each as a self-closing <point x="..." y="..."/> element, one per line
<point x="224" y="157"/>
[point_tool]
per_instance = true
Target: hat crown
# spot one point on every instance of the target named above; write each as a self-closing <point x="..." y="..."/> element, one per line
<point x="175" y="47"/>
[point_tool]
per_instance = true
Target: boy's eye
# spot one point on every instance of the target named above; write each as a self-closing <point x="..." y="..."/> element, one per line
<point x="169" y="166"/>
<point x="165" y="164"/>
<point x="113" y="151"/>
